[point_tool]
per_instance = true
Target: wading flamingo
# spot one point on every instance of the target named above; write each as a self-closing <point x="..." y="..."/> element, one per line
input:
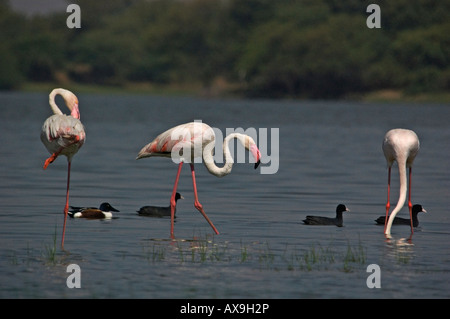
<point x="402" y="146"/>
<point x="63" y="135"/>
<point x="192" y="140"/>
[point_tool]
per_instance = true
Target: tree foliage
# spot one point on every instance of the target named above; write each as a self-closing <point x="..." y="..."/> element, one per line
<point x="286" y="48"/>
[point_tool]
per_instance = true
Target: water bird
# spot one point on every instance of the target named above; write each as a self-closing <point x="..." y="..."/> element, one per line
<point x="192" y="140"/>
<point x="156" y="211"/>
<point x="318" y="220"/>
<point x="416" y="209"/>
<point x="402" y="146"/>
<point x="103" y="212"/>
<point x="63" y="135"/>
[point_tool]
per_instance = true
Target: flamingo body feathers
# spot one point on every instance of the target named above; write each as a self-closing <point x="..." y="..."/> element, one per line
<point x="173" y="142"/>
<point x="63" y="134"/>
<point x="401" y="145"/>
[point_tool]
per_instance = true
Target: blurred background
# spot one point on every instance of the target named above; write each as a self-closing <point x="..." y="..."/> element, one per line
<point x="315" y="49"/>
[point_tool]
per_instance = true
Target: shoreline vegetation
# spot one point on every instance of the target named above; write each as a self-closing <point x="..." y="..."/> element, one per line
<point x="299" y="49"/>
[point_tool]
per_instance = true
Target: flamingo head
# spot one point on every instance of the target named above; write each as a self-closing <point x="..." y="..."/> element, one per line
<point x="72" y="103"/>
<point x="73" y="107"/>
<point x="251" y="146"/>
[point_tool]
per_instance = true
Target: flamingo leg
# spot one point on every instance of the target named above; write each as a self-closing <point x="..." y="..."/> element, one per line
<point x="409" y="202"/>
<point x="197" y="203"/>
<point x="52" y="158"/>
<point x="388" y="203"/>
<point x="173" y="202"/>
<point x="66" y="208"/>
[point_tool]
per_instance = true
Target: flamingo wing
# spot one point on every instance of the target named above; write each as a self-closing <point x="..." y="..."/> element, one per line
<point x="173" y="142"/>
<point x="400" y="145"/>
<point x="63" y="134"/>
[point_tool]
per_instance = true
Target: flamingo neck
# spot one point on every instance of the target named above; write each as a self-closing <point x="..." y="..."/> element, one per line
<point x="401" y="197"/>
<point x="209" y="160"/>
<point x="51" y="100"/>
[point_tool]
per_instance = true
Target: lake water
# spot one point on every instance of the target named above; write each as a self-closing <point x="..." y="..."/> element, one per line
<point x="329" y="153"/>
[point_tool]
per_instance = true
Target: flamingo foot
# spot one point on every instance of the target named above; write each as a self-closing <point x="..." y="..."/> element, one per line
<point x="51" y="159"/>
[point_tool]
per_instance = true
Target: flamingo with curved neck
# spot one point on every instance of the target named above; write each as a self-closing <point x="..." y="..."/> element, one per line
<point x="188" y="141"/>
<point x="63" y="134"/>
<point x="402" y="146"/>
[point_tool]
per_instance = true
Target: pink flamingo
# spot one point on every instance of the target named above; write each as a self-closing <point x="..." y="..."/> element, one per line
<point x="402" y="146"/>
<point x="193" y="140"/>
<point x="63" y="134"/>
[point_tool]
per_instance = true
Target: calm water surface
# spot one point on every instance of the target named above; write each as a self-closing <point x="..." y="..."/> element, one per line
<point x="330" y="153"/>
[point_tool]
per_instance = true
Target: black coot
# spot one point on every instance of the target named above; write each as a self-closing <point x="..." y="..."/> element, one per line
<point x="318" y="220"/>
<point x="156" y="211"/>
<point x="416" y="209"/>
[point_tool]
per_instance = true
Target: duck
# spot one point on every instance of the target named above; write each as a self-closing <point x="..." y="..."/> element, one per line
<point x="337" y="221"/>
<point x="416" y="209"/>
<point x="156" y="211"/>
<point x="103" y="212"/>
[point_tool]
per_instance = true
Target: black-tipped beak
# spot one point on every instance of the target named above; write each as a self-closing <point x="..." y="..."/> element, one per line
<point x="257" y="164"/>
<point x="114" y="210"/>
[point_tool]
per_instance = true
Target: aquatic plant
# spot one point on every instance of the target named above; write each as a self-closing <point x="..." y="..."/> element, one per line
<point x="244" y="253"/>
<point x="49" y="253"/>
<point x="354" y="255"/>
<point x="155" y="254"/>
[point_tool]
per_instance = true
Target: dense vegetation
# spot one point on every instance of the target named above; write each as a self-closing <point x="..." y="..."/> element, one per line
<point x="264" y="48"/>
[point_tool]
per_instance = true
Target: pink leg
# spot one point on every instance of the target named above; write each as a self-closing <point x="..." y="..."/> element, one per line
<point x="51" y="159"/>
<point x="197" y="203"/>
<point x="173" y="202"/>
<point x="388" y="204"/>
<point x="409" y="202"/>
<point x="66" y="208"/>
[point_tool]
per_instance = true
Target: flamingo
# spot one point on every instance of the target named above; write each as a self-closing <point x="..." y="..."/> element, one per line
<point x="63" y="135"/>
<point x="192" y="140"/>
<point x="402" y="146"/>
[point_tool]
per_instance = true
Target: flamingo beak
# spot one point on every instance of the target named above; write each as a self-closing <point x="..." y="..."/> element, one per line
<point x="256" y="154"/>
<point x="75" y="111"/>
